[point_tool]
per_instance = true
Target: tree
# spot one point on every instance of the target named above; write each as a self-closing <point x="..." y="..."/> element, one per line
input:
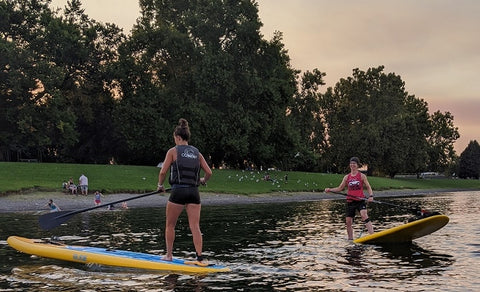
<point x="370" y="115"/>
<point x="206" y="61"/>
<point x="417" y="129"/>
<point x="84" y="51"/>
<point x="56" y="87"/>
<point x="440" y="141"/>
<point x="32" y="123"/>
<point x="305" y="112"/>
<point x="469" y="163"/>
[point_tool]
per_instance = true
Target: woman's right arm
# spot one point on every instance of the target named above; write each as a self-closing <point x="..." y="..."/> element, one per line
<point x="166" y="165"/>
<point x="339" y="188"/>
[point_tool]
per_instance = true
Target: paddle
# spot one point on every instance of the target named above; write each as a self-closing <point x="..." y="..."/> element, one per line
<point x="54" y="219"/>
<point x="415" y="210"/>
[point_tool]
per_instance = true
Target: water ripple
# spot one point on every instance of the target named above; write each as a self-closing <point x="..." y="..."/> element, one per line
<point x="292" y="247"/>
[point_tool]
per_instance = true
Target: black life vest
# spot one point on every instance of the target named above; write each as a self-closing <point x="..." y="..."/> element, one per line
<point x="186" y="169"/>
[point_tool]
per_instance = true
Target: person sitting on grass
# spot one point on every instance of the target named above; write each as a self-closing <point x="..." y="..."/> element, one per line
<point x="73" y="189"/>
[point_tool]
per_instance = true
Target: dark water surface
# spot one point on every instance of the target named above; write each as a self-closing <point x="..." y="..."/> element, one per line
<point x="269" y="247"/>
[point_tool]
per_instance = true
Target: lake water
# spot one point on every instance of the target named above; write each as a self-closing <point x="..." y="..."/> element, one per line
<point x="298" y="246"/>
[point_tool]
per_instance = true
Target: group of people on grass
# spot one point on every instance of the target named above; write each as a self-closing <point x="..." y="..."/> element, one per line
<point x="70" y="187"/>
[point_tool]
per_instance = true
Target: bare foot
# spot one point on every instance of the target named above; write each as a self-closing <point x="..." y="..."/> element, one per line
<point x="202" y="263"/>
<point x="167" y="258"/>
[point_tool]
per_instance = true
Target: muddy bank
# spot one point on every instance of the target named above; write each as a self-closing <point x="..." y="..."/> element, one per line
<point x="36" y="202"/>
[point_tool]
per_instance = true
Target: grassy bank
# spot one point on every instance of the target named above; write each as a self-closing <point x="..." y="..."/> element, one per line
<point x="26" y="177"/>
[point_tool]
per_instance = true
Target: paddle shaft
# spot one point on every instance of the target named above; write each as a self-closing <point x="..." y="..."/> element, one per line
<point x="374" y="201"/>
<point x="51" y="220"/>
<point x="108" y="204"/>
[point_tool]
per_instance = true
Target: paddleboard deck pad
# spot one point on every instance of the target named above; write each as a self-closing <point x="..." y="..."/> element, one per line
<point x="406" y="232"/>
<point x="108" y="257"/>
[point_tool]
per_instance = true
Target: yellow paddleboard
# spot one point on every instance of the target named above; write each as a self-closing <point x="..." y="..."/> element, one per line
<point x="108" y="257"/>
<point x="406" y="232"/>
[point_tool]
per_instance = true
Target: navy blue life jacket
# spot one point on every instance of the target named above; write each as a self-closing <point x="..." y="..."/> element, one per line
<point x="186" y="169"/>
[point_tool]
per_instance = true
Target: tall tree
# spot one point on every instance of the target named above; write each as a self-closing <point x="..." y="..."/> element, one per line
<point x="206" y="61"/>
<point x="469" y="163"/>
<point x="58" y="93"/>
<point x="413" y="138"/>
<point x="370" y="115"/>
<point x="305" y="111"/>
<point x="85" y="50"/>
<point x="440" y="141"/>
<point x="32" y="125"/>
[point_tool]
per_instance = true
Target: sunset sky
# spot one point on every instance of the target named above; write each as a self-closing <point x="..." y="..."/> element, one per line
<point x="433" y="45"/>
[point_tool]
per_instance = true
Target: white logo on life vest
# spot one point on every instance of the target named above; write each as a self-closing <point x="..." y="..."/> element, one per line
<point x="188" y="153"/>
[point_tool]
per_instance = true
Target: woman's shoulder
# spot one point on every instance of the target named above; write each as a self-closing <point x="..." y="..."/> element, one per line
<point x="193" y="147"/>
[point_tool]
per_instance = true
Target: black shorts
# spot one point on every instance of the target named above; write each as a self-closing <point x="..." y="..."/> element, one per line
<point x="185" y="195"/>
<point x="353" y="206"/>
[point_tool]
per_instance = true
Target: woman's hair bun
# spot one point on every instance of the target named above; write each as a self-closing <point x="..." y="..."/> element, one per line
<point x="183" y="123"/>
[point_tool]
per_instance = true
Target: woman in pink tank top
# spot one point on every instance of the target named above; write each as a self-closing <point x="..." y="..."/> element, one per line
<point x="355" y="181"/>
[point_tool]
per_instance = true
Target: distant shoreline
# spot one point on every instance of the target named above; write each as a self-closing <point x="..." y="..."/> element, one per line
<point x="37" y="202"/>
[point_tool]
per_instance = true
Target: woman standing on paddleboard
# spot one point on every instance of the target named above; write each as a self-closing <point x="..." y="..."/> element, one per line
<point x="355" y="181"/>
<point x="184" y="162"/>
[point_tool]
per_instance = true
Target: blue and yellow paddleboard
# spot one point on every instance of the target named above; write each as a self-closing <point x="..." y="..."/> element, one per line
<point x="406" y="232"/>
<point x="108" y="257"/>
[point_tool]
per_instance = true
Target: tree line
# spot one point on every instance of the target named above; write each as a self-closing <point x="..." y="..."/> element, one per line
<point x="77" y="90"/>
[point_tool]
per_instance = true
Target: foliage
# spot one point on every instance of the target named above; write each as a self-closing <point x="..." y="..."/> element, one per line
<point x="305" y="112"/>
<point x="441" y="139"/>
<point x="31" y="121"/>
<point x="207" y="62"/>
<point x="370" y="115"/>
<point x="76" y="90"/>
<point x="469" y="163"/>
<point x="55" y="85"/>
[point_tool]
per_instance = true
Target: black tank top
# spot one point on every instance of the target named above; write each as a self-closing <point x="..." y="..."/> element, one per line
<point x="186" y="169"/>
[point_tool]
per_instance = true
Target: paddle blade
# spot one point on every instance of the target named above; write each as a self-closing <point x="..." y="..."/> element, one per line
<point x="51" y="220"/>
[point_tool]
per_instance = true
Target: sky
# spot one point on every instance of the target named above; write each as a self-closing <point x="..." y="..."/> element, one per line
<point x="433" y="45"/>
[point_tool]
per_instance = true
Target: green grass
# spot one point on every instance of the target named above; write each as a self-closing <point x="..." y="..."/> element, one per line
<point x="49" y="176"/>
<point x="27" y="177"/>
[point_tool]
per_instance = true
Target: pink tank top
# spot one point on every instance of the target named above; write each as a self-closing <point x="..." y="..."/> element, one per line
<point x="355" y="187"/>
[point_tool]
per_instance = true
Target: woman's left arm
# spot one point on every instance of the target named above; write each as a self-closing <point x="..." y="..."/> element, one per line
<point x="369" y="188"/>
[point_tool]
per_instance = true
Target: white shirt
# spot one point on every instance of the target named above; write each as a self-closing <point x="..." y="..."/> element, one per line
<point x="83" y="180"/>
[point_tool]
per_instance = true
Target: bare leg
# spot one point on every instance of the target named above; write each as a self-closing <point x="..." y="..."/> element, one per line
<point x="369" y="225"/>
<point x="349" y="223"/>
<point x="193" y="212"/>
<point x="173" y="211"/>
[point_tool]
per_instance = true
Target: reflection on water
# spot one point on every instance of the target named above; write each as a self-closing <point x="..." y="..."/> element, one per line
<point x="279" y="247"/>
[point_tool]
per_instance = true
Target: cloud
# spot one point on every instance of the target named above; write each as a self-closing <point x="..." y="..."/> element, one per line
<point x="432" y="45"/>
<point x="122" y="13"/>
